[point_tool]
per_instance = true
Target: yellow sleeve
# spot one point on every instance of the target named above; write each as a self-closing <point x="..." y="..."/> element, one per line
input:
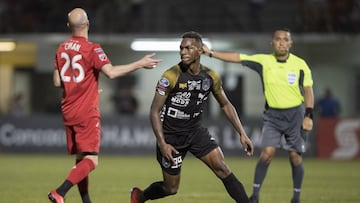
<point x="168" y="80"/>
<point x="217" y="84"/>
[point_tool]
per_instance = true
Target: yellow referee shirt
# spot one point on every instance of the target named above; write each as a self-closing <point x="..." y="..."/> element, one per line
<point x="283" y="81"/>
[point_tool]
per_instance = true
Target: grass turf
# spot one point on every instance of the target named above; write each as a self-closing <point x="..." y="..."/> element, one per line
<point x="28" y="178"/>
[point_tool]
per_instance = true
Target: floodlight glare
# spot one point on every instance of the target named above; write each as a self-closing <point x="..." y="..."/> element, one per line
<point x="7" y="46"/>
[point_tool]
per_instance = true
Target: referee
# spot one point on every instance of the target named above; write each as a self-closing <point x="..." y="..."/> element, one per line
<point x="287" y="85"/>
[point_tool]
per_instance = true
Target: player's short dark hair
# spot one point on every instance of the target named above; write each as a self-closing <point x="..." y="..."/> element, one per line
<point x="283" y="29"/>
<point x="193" y="35"/>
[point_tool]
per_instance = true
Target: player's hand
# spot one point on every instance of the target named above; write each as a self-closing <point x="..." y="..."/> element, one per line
<point x="307" y="124"/>
<point x="206" y="50"/>
<point x="167" y="151"/>
<point x="149" y="62"/>
<point x="247" y="144"/>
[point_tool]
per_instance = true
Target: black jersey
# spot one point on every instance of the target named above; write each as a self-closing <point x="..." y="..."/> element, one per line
<point x="186" y="94"/>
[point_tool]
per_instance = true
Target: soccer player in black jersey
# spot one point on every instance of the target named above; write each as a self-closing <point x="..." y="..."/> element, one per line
<point x="175" y="115"/>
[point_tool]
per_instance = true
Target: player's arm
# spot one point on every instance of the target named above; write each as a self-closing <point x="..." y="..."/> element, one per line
<point x="116" y="71"/>
<point x="231" y="114"/>
<point x="56" y="78"/>
<point x="156" y="106"/>
<point x="224" y="56"/>
<point x="309" y="105"/>
<point x="309" y="97"/>
<point x="156" y="123"/>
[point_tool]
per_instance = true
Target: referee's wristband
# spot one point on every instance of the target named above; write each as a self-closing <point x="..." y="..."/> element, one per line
<point x="309" y="112"/>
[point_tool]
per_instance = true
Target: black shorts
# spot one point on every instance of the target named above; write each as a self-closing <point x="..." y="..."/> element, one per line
<point x="199" y="142"/>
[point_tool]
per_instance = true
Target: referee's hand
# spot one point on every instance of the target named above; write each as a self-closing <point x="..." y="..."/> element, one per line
<point x="307" y="124"/>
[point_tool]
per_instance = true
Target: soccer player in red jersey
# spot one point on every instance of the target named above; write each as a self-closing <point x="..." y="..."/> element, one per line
<point x="78" y="63"/>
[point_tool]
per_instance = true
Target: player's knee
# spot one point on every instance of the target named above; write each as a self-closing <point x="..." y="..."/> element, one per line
<point x="96" y="163"/>
<point x="295" y="158"/>
<point x="267" y="155"/>
<point x="266" y="158"/>
<point x="94" y="160"/>
<point x="222" y="171"/>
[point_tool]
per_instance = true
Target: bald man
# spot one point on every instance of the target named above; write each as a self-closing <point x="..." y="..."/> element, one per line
<point x="78" y="63"/>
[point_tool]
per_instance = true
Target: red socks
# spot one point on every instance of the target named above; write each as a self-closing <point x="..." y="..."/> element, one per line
<point x="80" y="171"/>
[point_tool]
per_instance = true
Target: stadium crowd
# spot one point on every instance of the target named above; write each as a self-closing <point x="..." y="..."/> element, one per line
<point x="33" y="16"/>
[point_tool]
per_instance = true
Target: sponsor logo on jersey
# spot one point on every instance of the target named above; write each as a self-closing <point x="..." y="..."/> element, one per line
<point x="161" y="91"/>
<point x="175" y="113"/>
<point x="102" y="57"/>
<point x="202" y="97"/>
<point x="194" y="85"/>
<point x="206" y="84"/>
<point x="99" y="50"/>
<point x="196" y="114"/>
<point x="164" y="82"/>
<point x="181" y="99"/>
<point x="182" y="85"/>
<point x="161" y="86"/>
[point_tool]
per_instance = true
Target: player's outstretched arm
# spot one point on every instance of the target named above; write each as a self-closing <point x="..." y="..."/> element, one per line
<point x="147" y="62"/>
<point x="224" y="56"/>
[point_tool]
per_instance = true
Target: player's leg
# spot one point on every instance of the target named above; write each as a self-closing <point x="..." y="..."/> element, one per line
<point x="86" y="144"/>
<point x="296" y="146"/>
<point x="157" y="190"/>
<point x="297" y="174"/>
<point x="169" y="186"/>
<point x="77" y="175"/>
<point x="215" y="161"/>
<point x="267" y="154"/>
<point x="57" y="195"/>
<point x="161" y="189"/>
<point x="83" y="185"/>
<point x="271" y="139"/>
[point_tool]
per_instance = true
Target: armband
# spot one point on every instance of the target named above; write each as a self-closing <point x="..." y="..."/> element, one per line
<point x="309" y="113"/>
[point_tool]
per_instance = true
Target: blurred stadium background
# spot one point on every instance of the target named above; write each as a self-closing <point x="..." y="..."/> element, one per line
<point x="326" y="35"/>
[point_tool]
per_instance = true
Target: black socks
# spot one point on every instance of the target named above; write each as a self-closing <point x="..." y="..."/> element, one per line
<point x="154" y="191"/>
<point x="235" y="189"/>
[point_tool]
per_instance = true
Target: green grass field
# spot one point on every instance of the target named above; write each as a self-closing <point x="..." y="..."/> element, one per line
<point x="28" y="178"/>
